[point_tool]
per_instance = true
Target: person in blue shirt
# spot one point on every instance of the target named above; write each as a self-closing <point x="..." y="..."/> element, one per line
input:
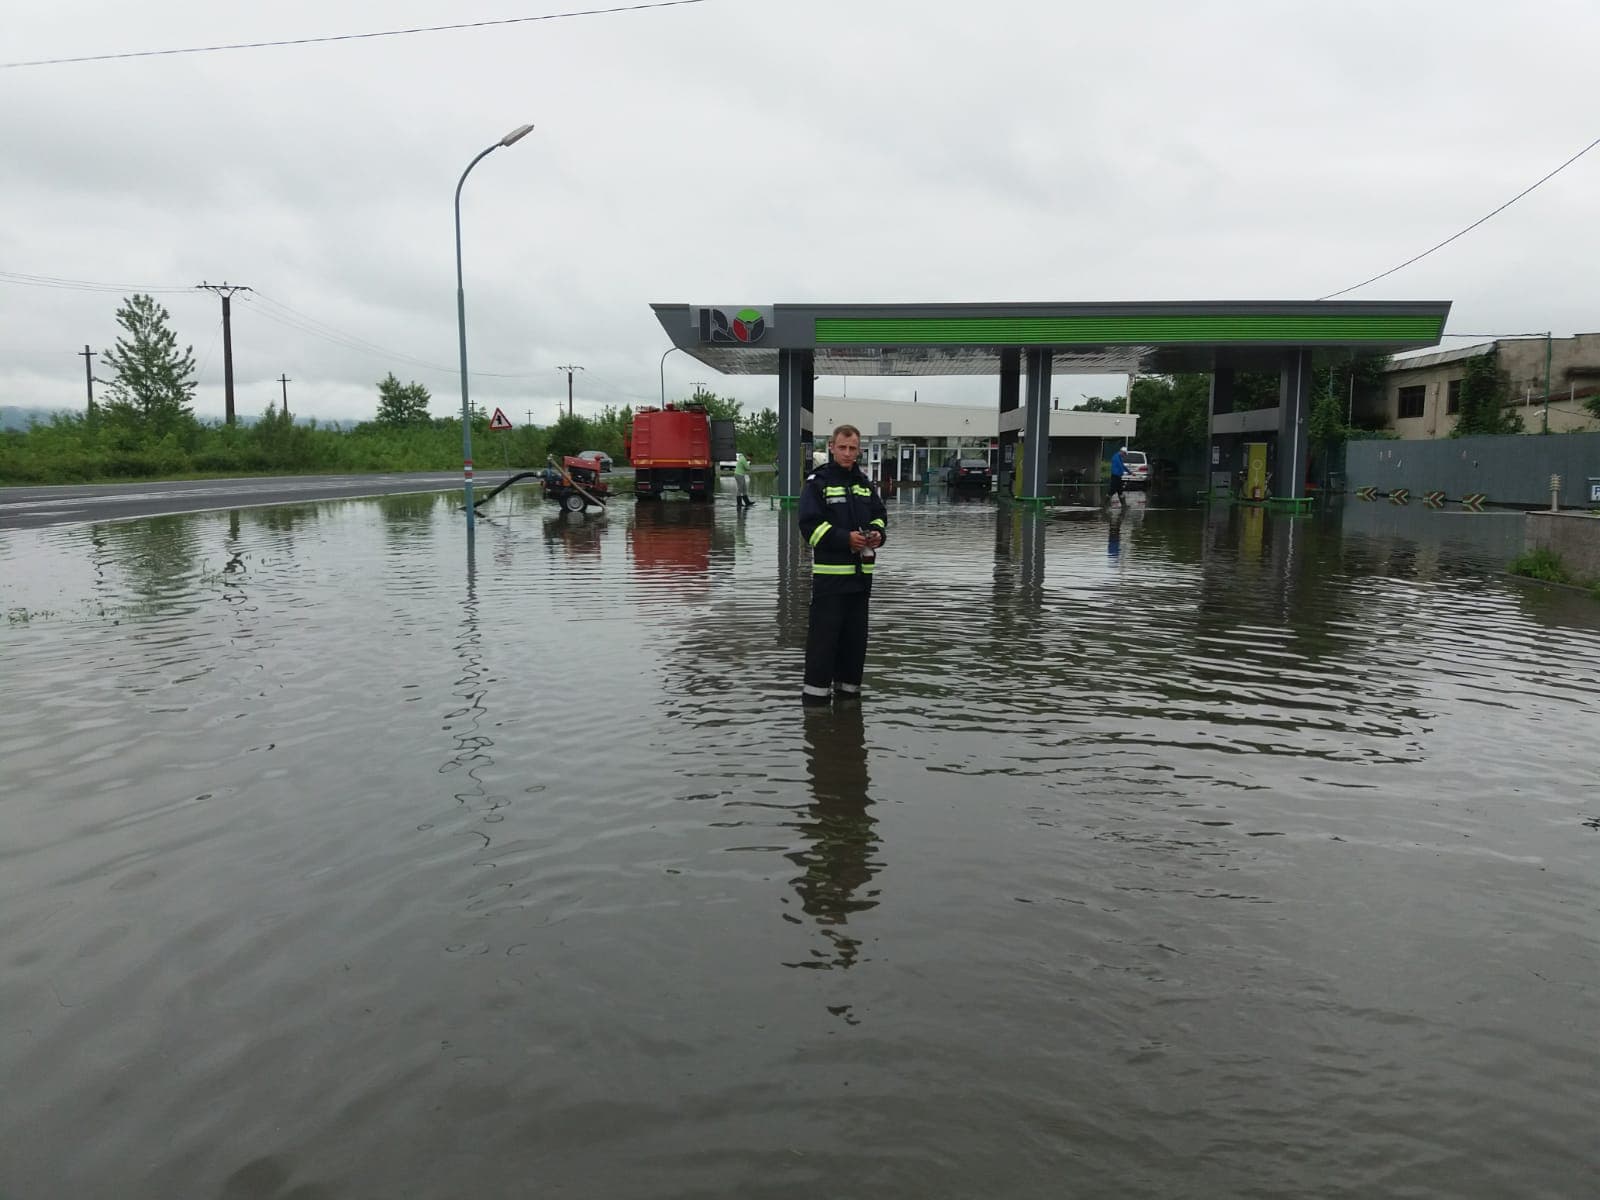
<point x="1118" y="468"/>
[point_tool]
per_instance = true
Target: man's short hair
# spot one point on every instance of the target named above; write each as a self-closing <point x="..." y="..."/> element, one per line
<point x="840" y="431"/>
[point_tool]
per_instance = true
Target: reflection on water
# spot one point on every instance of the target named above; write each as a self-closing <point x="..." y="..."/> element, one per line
<point x="838" y="860"/>
<point x="1174" y="852"/>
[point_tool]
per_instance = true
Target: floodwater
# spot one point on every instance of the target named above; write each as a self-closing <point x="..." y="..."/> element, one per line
<point x="1191" y="853"/>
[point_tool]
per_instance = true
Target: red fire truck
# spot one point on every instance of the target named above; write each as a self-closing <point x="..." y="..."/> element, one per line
<point x="675" y="449"/>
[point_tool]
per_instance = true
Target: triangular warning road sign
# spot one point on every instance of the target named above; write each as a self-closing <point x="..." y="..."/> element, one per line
<point x="499" y="420"/>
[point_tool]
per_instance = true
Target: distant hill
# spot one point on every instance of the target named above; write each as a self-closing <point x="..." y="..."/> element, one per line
<point x="20" y="418"/>
<point x="12" y="417"/>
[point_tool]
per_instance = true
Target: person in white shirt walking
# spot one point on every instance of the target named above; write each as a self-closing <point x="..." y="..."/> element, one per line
<point x="741" y="476"/>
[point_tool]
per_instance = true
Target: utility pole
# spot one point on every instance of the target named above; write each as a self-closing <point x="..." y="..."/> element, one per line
<point x="88" y="377"/>
<point x="226" y="291"/>
<point x="699" y="385"/>
<point x="530" y="418"/>
<point x="286" y="381"/>
<point x="1548" y="334"/>
<point x="569" y="369"/>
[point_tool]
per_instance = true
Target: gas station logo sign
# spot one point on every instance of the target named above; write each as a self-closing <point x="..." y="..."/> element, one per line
<point x="734" y="326"/>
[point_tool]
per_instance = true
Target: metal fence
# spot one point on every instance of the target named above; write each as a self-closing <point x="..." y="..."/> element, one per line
<point x="1514" y="469"/>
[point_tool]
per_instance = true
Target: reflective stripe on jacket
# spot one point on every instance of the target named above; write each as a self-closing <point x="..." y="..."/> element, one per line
<point x="833" y="502"/>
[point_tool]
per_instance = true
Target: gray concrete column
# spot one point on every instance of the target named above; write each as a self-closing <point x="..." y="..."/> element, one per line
<point x="1010" y="401"/>
<point x="1036" y="426"/>
<point x="1222" y="448"/>
<point x="795" y="391"/>
<point x="1294" y="426"/>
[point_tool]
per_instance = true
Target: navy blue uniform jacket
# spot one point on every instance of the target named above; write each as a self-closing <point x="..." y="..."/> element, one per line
<point x="833" y="502"/>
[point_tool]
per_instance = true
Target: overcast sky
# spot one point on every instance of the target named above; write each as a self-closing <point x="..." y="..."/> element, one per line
<point x="765" y="151"/>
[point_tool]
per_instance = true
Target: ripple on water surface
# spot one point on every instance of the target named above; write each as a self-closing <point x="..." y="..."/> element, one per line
<point x="1184" y="852"/>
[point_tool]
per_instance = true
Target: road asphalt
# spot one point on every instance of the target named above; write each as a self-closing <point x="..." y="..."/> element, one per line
<point x="77" y="504"/>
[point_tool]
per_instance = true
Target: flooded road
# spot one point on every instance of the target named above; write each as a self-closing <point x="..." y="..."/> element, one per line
<point x="1189" y="853"/>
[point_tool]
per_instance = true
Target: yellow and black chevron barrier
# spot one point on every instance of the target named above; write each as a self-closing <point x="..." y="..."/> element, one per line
<point x="1400" y="496"/>
<point x="1367" y="493"/>
<point x="1473" y="501"/>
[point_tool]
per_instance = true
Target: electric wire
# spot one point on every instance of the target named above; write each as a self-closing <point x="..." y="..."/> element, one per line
<point x="85" y="285"/>
<point x="292" y="318"/>
<point x="1469" y="228"/>
<point x="347" y="37"/>
<point x="285" y="315"/>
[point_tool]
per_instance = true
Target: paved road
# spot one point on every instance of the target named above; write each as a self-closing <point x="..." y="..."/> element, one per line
<point x="30" y="507"/>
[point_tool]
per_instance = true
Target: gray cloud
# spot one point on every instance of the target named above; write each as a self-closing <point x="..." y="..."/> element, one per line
<point x="762" y="152"/>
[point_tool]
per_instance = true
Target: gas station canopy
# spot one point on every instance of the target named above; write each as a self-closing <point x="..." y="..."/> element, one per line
<point x="1101" y="339"/>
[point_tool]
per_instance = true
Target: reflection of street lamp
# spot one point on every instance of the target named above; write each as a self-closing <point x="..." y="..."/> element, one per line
<point x="461" y="323"/>
<point x="664" y="354"/>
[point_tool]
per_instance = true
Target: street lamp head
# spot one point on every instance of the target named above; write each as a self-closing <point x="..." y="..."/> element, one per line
<point x="517" y="134"/>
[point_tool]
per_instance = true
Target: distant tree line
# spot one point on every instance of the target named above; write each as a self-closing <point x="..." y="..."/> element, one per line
<point x="145" y="427"/>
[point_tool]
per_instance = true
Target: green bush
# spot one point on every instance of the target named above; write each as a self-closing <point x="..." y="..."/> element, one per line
<point x="1543" y="565"/>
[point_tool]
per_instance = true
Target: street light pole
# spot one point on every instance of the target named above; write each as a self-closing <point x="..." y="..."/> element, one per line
<point x="515" y="135"/>
<point x="664" y="354"/>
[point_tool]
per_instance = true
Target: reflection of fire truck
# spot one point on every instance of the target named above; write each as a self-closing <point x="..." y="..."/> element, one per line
<point x="676" y="449"/>
<point x="673" y="541"/>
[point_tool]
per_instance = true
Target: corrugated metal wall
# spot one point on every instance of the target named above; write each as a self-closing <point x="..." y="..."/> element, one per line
<point x="1515" y="469"/>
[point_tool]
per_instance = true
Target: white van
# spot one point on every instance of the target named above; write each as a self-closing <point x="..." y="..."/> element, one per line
<point x="1135" y="468"/>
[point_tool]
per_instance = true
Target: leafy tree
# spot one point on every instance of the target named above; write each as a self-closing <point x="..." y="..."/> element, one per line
<point x="1254" y="390"/>
<point x="1593" y="404"/>
<point x="1484" y="390"/>
<point x="718" y="408"/>
<point x="608" y="430"/>
<point x="570" y="434"/>
<point x="758" y="435"/>
<point x="401" y="404"/>
<point x="1100" y="404"/>
<point x="153" y="383"/>
<point x="1174" y="413"/>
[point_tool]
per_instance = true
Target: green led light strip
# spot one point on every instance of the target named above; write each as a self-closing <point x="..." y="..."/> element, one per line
<point x="1134" y="330"/>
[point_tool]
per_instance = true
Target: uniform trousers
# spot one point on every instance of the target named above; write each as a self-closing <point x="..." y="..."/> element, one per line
<point x="836" y="641"/>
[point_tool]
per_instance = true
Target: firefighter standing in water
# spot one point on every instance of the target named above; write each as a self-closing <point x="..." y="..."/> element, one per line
<point x="843" y="520"/>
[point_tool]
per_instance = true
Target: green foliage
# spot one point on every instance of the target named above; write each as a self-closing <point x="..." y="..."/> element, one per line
<point x="719" y="408"/>
<point x="1253" y="390"/>
<point x="153" y="382"/>
<point x="567" y="435"/>
<point x="402" y="404"/>
<point x="1100" y="404"/>
<point x="1484" y="391"/>
<point x="1593" y="404"/>
<point x="758" y="435"/>
<point x="1174" y="413"/>
<point x="1542" y="564"/>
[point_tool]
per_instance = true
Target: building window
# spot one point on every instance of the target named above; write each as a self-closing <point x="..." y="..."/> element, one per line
<point x="1411" y="401"/>
<point x="1452" y="402"/>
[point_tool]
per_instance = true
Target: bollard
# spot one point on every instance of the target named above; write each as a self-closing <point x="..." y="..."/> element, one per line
<point x="1555" y="493"/>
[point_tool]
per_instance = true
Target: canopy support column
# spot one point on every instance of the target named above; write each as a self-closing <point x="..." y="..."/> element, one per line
<point x="1294" y="426"/>
<point x="1036" y="428"/>
<point x="796" y="392"/>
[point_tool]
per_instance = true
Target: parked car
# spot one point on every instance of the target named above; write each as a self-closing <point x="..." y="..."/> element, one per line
<point x="605" y="459"/>
<point x="1135" y="469"/>
<point x="969" y="472"/>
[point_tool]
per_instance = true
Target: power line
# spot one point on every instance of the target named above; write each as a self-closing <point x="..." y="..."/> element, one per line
<point x="85" y="285"/>
<point x="292" y="318"/>
<point x="1469" y="228"/>
<point x="346" y="37"/>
